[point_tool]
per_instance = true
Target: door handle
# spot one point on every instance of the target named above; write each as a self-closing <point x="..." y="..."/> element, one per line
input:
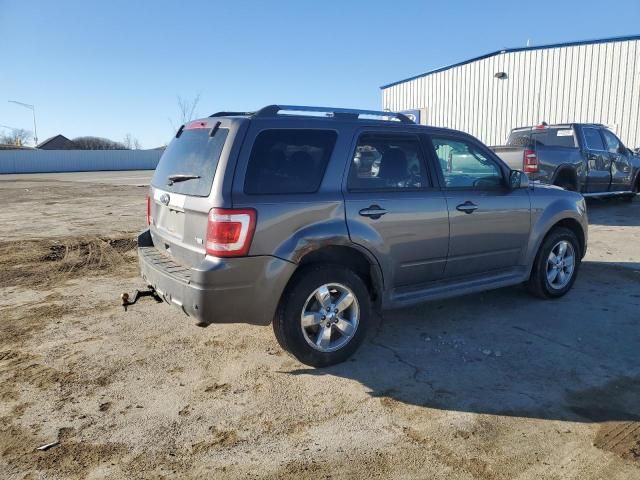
<point x="374" y="211"/>
<point x="467" y="207"/>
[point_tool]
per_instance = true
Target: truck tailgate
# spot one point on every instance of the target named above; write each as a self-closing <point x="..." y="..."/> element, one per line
<point x="512" y="156"/>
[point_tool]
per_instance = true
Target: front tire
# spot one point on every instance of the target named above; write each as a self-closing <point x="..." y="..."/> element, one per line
<point x="556" y="265"/>
<point x="323" y="315"/>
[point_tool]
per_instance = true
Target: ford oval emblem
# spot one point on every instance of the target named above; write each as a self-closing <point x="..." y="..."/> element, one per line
<point x="164" y="199"/>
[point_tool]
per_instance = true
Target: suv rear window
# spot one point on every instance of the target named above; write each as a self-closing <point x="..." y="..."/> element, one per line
<point x="550" y="137"/>
<point x="288" y="161"/>
<point x="195" y="153"/>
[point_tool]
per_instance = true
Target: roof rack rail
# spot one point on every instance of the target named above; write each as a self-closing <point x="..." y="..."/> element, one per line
<point x="231" y="114"/>
<point x="272" y="110"/>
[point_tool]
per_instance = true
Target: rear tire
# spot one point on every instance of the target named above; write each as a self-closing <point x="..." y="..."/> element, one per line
<point x="312" y="331"/>
<point x="554" y="273"/>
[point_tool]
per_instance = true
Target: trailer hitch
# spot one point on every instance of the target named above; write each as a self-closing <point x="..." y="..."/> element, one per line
<point x="136" y="295"/>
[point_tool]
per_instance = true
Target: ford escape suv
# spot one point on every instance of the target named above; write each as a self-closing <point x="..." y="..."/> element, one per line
<point x="310" y="218"/>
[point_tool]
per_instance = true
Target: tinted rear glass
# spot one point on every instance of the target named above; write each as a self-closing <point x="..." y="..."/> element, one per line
<point x="387" y="162"/>
<point x="550" y="137"/>
<point x="288" y="161"/>
<point x="193" y="153"/>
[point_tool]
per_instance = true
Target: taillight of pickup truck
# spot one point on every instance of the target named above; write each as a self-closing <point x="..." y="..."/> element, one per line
<point x="530" y="161"/>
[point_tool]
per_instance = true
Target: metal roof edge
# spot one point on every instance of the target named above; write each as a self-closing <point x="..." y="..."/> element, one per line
<point x="516" y="49"/>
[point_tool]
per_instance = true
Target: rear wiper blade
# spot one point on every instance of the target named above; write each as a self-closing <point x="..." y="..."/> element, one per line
<point x="180" y="177"/>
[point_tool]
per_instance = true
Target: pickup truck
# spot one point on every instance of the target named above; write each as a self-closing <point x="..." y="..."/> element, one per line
<point x="582" y="157"/>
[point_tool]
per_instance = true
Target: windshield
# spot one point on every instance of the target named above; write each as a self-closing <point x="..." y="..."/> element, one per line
<point x="189" y="163"/>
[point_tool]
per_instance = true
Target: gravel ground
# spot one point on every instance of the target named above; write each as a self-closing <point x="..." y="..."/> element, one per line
<point x="491" y="386"/>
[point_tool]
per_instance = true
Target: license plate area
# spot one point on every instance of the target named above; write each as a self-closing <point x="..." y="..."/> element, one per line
<point x="169" y="215"/>
<point x="171" y="221"/>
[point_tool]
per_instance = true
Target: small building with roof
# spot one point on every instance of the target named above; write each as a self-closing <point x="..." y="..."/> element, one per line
<point x="57" y="142"/>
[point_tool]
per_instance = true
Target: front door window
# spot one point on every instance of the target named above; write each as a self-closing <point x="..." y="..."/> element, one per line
<point x="463" y="166"/>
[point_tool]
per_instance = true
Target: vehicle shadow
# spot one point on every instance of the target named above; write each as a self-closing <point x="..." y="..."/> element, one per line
<point x="613" y="212"/>
<point x="504" y="352"/>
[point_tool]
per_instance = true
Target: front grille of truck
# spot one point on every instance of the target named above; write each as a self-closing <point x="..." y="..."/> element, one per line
<point x="164" y="263"/>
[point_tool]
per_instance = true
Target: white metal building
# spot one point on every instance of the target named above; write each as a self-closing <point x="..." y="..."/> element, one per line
<point x="589" y="81"/>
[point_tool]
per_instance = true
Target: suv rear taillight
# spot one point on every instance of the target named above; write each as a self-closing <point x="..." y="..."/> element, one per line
<point x="530" y="161"/>
<point x="148" y="209"/>
<point x="230" y="231"/>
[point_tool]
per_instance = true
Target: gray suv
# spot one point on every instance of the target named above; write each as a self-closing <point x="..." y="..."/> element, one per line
<point x="310" y="218"/>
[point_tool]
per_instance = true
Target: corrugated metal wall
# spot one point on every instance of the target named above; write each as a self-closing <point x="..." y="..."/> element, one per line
<point x="42" y="161"/>
<point x="597" y="83"/>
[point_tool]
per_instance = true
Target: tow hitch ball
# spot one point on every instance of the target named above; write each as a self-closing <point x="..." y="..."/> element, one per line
<point x="136" y="295"/>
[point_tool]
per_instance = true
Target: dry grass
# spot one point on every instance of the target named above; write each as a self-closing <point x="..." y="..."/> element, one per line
<point x="46" y="262"/>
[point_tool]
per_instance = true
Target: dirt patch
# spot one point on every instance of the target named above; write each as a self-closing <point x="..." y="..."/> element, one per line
<point x="70" y="459"/>
<point x="615" y="404"/>
<point x="17" y="366"/>
<point x="14" y="442"/>
<point x="86" y="250"/>
<point x="18" y="369"/>
<point x="621" y="438"/>
<point x="219" y="439"/>
<point x="376" y="464"/>
<point x="74" y="459"/>
<point x="18" y="324"/>
<point x="146" y="394"/>
<point x="218" y="387"/>
<point x="39" y="263"/>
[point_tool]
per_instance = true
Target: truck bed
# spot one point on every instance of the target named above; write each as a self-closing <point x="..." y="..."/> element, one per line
<point x="551" y="160"/>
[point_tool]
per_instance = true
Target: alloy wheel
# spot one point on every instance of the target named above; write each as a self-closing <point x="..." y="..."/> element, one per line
<point x="561" y="264"/>
<point x="330" y="316"/>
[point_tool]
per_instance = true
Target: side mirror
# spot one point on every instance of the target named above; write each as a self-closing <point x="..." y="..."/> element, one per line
<point x="518" y="179"/>
<point x="622" y="149"/>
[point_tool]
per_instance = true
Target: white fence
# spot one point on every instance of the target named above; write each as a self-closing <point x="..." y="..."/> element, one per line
<point x="45" y="161"/>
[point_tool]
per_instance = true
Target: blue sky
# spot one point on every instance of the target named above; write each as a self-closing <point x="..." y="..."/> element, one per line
<point x="115" y="67"/>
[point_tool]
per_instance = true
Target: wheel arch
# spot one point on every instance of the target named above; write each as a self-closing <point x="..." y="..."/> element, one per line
<point x="567" y="222"/>
<point x="566" y="173"/>
<point x="573" y="225"/>
<point x="563" y="213"/>
<point x="356" y="258"/>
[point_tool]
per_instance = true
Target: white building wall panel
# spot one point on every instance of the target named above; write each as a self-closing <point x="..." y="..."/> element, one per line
<point x="597" y="83"/>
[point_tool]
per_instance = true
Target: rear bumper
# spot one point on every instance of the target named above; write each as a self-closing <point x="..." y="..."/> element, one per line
<point x="220" y="290"/>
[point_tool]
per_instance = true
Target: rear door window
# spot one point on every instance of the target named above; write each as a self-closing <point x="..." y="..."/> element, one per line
<point x="593" y="139"/>
<point x="189" y="163"/>
<point x="288" y="161"/>
<point x="387" y="162"/>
